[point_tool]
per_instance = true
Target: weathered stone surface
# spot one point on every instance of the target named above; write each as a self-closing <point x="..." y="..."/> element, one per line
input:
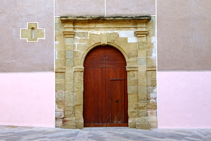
<point x="143" y="126"/>
<point x="142" y="120"/>
<point x="71" y="53"/>
<point x="82" y="34"/>
<point x="152" y="119"/>
<point x="142" y="96"/>
<point x="60" y="99"/>
<point x="58" y="122"/>
<point x="59" y="114"/>
<point x="132" y="122"/>
<point x="133" y="113"/>
<point x="112" y="37"/>
<point x="152" y="106"/>
<point x="142" y="113"/>
<point x="79" y="122"/>
<point x="69" y="41"/>
<point x="59" y="86"/>
<point x="69" y="123"/>
<point x="60" y="75"/>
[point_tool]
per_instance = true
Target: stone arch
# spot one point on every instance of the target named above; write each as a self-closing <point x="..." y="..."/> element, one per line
<point x="98" y="44"/>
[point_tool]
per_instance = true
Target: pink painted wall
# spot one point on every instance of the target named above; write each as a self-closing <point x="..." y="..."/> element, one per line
<point x="184" y="99"/>
<point x="27" y="99"/>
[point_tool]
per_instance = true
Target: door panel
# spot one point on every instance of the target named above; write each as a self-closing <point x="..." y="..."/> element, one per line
<point x="105" y="81"/>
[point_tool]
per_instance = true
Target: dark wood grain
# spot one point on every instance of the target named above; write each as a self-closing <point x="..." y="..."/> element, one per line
<point x="105" y="88"/>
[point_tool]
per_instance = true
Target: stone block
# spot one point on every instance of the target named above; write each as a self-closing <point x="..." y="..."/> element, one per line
<point x="132" y="113"/>
<point x="81" y="47"/>
<point x="69" y="76"/>
<point x="69" y="123"/>
<point x="151" y="74"/>
<point x="59" y="86"/>
<point x="142" y="61"/>
<point x="60" y="75"/>
<point x="69" y="98"/>
<point x="69" y="41"/>
<point x="153" y="82"/>
<point x="79" y="98"/>
<point x="152" y="119"/>
<point x="142" y="113"/>
<point x="59" y="63"/>
<point x="59" y="114"/>
<point x="58" y="122"/>
<point x="83" y="41"/>
<point x="142" y="45"/>
<point x="152" y="106"/>
<point x="82" y="34"/>
<point x="69" y="62"/>
<point x="143" y="126"/>
<point x="60" y="98"/>
<point x="79" y="111"/>
<point x="153" y="95"/>
<point x="69" y="54"/>
<point x="132" y="122"/>
<point x="70" y="47"/>
<point x="142" y="89"/>
<point x="68" y="111"/>
<point x="142" y="53"/>
<point x="153" y="125"/>
<point x="133" y="89"/>
<point x="152" y="112"/>
<point x="132" y="82"/>
<point x="79" y="122"/>
<point x="132" y="98"/>
<point x="142" y="97"/>
<point x="151" y="62"/>
<point x="112" y="37"/>
<point x="142" y="120"/>
<point x="103" y="39"/>
<point x="60" y="54"/>
<point x="142" y="105"/>
<point x="94" y="38"/>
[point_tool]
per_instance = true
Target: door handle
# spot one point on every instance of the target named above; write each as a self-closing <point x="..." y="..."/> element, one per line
<point x="117" y="100"/>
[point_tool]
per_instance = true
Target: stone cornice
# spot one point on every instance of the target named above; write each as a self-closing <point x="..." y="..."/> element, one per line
<point x="103" y="18"/>
<point x="141" y="33"/>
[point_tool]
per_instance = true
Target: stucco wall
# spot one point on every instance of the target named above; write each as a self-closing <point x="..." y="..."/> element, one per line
<point x="184" y="99"/>
<point x="27" y="99"/>
<point x="18" y="55"/>
<point x="26" y="68"/>
<point x="184" y="35"/>
<point x="104" y="7"/>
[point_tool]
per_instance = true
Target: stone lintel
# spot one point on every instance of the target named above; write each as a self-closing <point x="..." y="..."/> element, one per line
<point x="143" y="19"/>
<point x="131" y="68"/>
<point x="69" y="34"/>
<point x="78" y="69"/>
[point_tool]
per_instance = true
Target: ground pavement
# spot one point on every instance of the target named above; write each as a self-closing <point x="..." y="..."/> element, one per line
<point x="102" y="134"/>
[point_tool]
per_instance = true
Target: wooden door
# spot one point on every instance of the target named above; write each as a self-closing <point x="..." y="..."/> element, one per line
<point x="105" y="88"/>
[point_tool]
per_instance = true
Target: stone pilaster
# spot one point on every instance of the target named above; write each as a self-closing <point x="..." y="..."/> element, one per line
<point x="142" y="120"/>
<point x="69" y="120"/>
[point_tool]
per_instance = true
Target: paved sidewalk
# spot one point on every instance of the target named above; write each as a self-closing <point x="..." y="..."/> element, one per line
<point x="102" y="134"/>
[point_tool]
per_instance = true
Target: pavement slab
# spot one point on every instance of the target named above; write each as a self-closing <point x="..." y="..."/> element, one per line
<point x="11" y="133"/>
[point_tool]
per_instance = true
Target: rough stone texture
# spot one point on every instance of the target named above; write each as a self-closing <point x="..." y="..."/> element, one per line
<point x="141" y="71"/>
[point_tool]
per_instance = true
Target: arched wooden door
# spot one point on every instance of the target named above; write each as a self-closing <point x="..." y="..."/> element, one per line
<point x="105" y="88"/>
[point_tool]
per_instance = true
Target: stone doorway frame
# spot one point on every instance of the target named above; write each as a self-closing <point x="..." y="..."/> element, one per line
<point x="82" y="34"/>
